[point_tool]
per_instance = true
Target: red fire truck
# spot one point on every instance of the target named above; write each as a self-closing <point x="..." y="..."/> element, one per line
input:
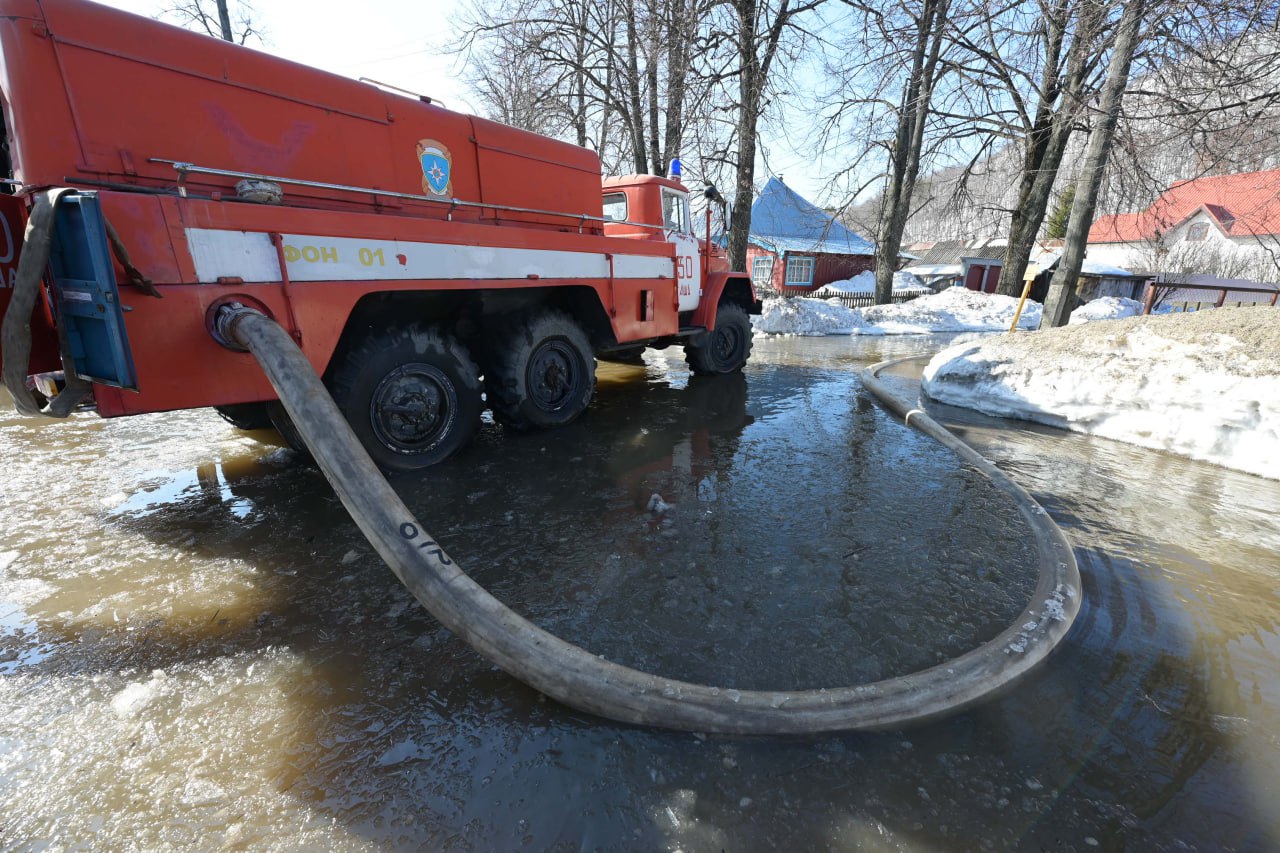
<point x="428" y="263"/>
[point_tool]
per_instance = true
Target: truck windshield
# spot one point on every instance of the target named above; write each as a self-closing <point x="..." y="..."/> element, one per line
<point x="675" y="210"/>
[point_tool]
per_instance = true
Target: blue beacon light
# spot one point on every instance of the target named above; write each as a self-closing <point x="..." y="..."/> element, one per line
<point x="675" y="169"/>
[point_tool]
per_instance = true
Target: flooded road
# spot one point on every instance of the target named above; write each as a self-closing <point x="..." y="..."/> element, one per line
<point x="199" y="650"/>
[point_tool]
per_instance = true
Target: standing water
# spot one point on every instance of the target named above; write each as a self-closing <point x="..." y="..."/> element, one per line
<point x="199" y="650"/>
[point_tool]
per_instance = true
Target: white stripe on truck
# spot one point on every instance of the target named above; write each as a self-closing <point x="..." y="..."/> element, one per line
<point x="251" y="256"/>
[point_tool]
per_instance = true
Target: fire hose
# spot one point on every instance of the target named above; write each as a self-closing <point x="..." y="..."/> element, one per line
<point x="561" y="670"/>
<point x="15" y="335"/>
<point x="575" y="677"/>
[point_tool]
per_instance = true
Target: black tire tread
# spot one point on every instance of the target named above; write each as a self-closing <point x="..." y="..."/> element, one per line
<point x="347" y="384"/>
<point x="701" y="359"/>
<point x="514" y="341"/>
<point x="245" y="416"/>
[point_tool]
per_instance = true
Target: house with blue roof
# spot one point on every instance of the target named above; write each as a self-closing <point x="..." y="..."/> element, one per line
<point x="796" y="247"/>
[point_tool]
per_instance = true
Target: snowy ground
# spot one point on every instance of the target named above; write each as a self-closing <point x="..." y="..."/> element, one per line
<point x="953" y="310"/>
<point x="1205" y="384"/>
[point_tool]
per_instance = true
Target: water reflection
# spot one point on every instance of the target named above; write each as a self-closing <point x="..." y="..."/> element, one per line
<point x="200" y="651"/>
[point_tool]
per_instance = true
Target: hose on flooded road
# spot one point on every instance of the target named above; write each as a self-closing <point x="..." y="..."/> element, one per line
<point x="579" y="679"/>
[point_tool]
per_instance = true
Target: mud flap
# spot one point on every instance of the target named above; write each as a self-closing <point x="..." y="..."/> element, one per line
<point x="90" y="317"/>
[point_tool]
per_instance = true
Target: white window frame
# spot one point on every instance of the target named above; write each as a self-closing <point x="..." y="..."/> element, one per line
<point x="796" y="266"/>
<point x="762" y="270"/>
<point x="1197" y="232"/>
<point x="681" y="201"/>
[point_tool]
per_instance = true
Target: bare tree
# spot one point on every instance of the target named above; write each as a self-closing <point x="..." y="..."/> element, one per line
<point x="628" y="78"/>
<point x="1066" y="38"/>
<point x="214" y="19"/>
<point x="1062" y="288"/>
<point x="756" y="32"/>
<point x="928" y="32"/>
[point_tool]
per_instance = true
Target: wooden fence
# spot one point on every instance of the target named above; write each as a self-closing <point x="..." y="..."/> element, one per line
<point x="861" y="300"/>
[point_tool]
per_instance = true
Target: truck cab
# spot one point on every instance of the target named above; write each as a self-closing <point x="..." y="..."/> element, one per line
<point x="649" y="207"/>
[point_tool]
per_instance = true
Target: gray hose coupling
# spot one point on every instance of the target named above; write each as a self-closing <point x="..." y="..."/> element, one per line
<point x="224" y="320"/>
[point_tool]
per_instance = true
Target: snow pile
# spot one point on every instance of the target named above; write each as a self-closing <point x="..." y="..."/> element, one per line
<point x="1205" y="385"/>
<point x="1106" y="308"/>
<point x="811" y="318"/>
<point x="865" y="283"/>
<point x="953" y="310"/>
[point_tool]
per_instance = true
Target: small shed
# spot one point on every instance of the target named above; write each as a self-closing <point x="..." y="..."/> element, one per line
<point x="796" y="247"/>
<point x="973" y="264"/>
<point x="1097" y="278"/>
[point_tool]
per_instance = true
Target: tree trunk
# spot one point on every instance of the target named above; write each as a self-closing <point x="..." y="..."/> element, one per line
<point x="1062" y="288"/>
<point x="657" y="167"/>
<point x="1060" y="98"/>
<point x="638" y="153"/>
<point x="224" y="20"/>
<point x="913" y="112"/>
<point x="756" y="52"/>
<point x="678" y="52"/>
<point x="743" y="189"/>
<point x="749" y="85"/>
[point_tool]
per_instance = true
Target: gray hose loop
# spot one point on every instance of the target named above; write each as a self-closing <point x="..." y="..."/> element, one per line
<point x="582" y="680"/>
<point x="15" y="336"/>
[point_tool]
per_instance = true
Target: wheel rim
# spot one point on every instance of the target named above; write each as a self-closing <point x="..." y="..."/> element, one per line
<point x="554" y="375"/>
<point x="726" y="343"/>
<point x="413" y="408"/>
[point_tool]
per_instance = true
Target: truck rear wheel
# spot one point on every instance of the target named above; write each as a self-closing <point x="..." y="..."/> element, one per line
<point x="411" y="395"/>
<point x="245" y="415"/>
<point x="727" y="347"/>
<point x="541" y="374"/>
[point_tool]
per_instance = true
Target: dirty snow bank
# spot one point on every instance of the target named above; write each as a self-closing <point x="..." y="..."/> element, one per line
<point x="1205" y="385"/>
<point x="1106" y="308"/>
<point x="953" y="310"/>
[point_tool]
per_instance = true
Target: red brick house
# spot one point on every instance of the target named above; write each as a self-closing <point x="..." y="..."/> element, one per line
<point x="795" y="248"/>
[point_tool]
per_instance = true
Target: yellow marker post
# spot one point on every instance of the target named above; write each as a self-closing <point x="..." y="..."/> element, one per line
<point x="1029" y="276"/>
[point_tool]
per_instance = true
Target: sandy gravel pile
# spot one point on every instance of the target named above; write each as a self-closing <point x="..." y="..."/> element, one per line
<point x="1244" y="341"/>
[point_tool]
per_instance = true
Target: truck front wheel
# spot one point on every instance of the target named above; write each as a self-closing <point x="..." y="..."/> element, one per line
<point x="727" y="347"/>
<point x="411" y="395"/>
<point x="541" y="373"/>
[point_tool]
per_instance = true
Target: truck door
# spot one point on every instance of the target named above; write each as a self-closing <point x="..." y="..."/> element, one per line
<point x="679" y="232"/>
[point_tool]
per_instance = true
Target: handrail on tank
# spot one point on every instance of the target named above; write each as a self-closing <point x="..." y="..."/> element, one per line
<point x="183" y="169"/>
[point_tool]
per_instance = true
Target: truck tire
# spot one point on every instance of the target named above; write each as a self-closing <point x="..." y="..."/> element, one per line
<point x="411" y="395"/>
<point x="728" y="346"/>
<point x="245" y="415"/>
<point x="541" y="374"/>
<point x="284" y="425"/>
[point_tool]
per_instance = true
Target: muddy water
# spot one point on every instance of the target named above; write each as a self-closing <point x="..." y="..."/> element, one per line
<point x="198" y="650"/>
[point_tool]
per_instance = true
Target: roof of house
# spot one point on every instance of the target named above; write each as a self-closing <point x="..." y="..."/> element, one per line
<point x="1242" y="205"/>
<point x="951" y="251"/>
<point x="782" y="221"/>
<point x="1047" y="259"/>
